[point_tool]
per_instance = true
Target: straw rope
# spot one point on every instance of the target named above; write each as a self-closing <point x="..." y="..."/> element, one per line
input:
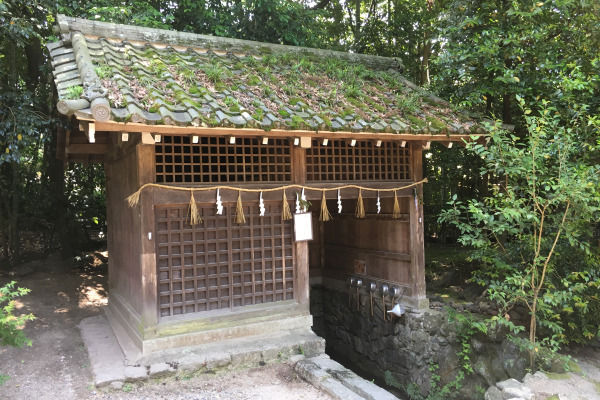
<point x="325" y="215"/>
<point x="134" y="199"/>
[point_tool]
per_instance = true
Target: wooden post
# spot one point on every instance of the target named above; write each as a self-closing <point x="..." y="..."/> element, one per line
<point x="148" y="274"/>
<point x="302" y="260"/>
<point x="417" y="248"/>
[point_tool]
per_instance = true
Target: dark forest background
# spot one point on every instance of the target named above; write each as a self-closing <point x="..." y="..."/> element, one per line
<point x="478" y="54"/>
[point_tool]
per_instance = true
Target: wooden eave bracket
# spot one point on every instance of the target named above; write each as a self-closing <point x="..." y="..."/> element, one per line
<point x="90" y="130"/>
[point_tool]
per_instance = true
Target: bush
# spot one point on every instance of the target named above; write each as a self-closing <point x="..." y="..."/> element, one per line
<point x="11" y="325"/>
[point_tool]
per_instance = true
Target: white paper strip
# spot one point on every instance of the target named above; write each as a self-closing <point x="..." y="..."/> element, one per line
<point x="378" y="204"/>
<point x="339" y="202"/>
<point x="219" y="204"/>
<point x="303" y="197"/>
<point x="261" y="205"/>
<point x="297" y="203"/>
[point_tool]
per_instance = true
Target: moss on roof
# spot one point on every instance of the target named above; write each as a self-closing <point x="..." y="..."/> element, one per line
<point x="156" y="84"/>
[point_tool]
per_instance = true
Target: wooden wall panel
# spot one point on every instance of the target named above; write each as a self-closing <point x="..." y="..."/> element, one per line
<point x="124" y="244"/>
<point x="383" y="244"/>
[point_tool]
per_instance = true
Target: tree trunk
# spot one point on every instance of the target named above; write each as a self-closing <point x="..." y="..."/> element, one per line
<point x="14" y="231"/>
<point x="56" y="178"/>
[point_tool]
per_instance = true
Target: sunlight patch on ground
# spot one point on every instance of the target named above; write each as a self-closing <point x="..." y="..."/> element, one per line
<point x="18" y="304"/>
<point x="61" y="310"/>
<point x="91" y="295"/>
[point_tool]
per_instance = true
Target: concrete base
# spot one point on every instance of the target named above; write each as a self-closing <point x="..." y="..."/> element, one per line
<point x="138" y="340"/>
<point x="109" y="363"/>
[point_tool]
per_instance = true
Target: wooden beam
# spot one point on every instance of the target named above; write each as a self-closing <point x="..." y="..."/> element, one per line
<point x="86" y="149"/>
<point x="417" y="235"/>
<point x="91" y="132"/>
<point x="305" y="142"/>
<point x="147" y="138"/>
<point x="112" y="126"/>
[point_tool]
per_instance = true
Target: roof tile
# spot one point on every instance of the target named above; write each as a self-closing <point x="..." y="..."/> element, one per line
<point x="156" y="83"/>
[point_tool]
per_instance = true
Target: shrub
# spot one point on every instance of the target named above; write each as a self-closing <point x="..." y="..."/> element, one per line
<point x="11" y="325"/>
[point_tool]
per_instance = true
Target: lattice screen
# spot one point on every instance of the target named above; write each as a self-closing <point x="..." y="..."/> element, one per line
<point x="220" y="264"/>
<point x="339" y="161"/>
<point x="215" y="160"/>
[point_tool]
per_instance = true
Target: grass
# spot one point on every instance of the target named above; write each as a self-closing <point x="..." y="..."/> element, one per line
<point x="74" y="92"/>
<point x="3" y="379"/>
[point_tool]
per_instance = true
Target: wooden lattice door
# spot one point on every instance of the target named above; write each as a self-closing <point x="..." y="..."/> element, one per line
<point x="219" y="264"/>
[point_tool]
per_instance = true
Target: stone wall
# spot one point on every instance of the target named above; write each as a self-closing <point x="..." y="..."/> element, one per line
<point x="409" y="349"/>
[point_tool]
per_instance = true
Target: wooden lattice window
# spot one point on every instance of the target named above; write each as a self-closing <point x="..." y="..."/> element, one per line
<point x="219" y="264"/>
<point x="216" y="160"/>
<point x="339" y="161"/>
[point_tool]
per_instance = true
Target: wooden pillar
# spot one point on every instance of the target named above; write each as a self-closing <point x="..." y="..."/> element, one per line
<point x="302" y="260"/>
<point x="148" y="274"/>
<point x="417" y="248"/>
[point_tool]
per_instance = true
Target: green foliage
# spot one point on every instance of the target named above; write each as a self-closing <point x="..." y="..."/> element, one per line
<point x="103" y="72"/>
<point x="466" y="327"/>
<point x="495" y="49"/>
<point x="543" y="203"/>
<point x="408" y="103"/>
<point x="74" y="92"/>
<point x="11" y="325"/>
<point x="214" y="72"/>
<point x="3" y="379"/>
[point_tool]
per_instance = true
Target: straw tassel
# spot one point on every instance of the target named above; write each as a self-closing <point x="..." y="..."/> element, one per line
<point x="325" y="216"/>
<point x="194" y="214"/>
<point x="396" y="211"/>
<point x="239" y="210"/>
<point x="134" y="199"/>
<point x="360" y="207"/>
<point x="286" y="214"/>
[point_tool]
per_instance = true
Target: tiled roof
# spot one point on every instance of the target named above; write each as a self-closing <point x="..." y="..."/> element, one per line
<point x="170" y="78"/>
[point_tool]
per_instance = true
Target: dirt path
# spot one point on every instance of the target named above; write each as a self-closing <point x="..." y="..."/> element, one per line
<point x="56" y="366"/>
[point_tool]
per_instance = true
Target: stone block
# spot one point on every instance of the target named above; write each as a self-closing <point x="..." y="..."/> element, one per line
<point x="296" y="358"/>
<point x="509" y="383"/>
<point x="246" y="358"/>
<point x="161" y="370"/>
<point x="273" y="354"/>
<point x="519" y="392"/>
<point x="217" y="361"/>
<point x="116" y="385"/>
<point x="135" y="374"/>
<point x="493" y="393"/>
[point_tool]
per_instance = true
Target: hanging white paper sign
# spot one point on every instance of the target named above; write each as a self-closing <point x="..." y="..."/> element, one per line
<point x="303" y="227"/>
<point x="378" y="204"/>
<point x="339" y="202"/>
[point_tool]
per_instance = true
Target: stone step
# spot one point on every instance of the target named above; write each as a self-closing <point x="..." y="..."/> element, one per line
<point x="110" y="366"/>
<point x="339" y="382"/>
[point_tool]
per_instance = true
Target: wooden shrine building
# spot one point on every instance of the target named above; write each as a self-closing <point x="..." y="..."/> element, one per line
<point x="203" y="137"/>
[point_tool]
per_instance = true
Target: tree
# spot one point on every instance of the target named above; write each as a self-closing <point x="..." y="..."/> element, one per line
<point x="495" y="49"/>
<point x="545" y="201"/>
